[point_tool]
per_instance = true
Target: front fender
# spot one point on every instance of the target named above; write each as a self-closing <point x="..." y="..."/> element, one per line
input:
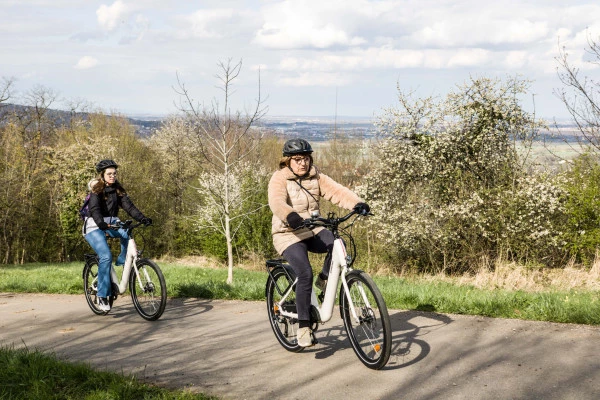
<point x="342" y="294"/>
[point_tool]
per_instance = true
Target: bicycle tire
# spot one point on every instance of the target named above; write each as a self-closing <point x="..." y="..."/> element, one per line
<point x="371" y="337"/>
<point x="90" y="287"/>
<point x="284" y="328"/>
<point x="149" y="300"/>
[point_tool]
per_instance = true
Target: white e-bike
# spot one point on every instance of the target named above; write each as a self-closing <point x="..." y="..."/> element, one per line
<point x="143" y="277"/>
<point x="362" y="306"/>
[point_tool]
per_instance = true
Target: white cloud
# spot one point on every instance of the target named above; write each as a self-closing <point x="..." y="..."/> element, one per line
<point x="86" y="62"/>
<point x="206" y="23"/>
<point x="468" y="58"/>
<point x="109" y="17"/>
<point x="318" y="78"/>
<point x="304" y="34"/>
<point x="216" y="23"/>
<point x="515" y="59"/>
<point x="356" y="60"/>
<point x="386" y="58"/>
<point x="456" y="32"/>
<point x="315" y="24"/>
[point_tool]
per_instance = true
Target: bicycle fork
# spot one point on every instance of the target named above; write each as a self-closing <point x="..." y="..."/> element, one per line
<point x="363" y="295"/>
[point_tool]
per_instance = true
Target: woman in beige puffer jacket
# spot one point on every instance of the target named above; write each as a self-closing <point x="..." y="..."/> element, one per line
<point x="294" y="192"/>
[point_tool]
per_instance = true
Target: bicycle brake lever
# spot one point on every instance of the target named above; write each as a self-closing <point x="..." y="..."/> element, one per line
<point x="307" y="223"/>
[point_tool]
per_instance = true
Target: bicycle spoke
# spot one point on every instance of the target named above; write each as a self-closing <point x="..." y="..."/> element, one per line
<point x="283" y="327"/>
<point x="370" y="335"/>
<point x="149" y="297"/>
<point x="90" y="287"/>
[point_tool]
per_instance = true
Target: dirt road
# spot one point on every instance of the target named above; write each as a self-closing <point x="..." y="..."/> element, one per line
<point x="227" y="348"/>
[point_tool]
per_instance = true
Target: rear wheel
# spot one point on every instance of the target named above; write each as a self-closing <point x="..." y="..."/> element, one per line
<point x="371" y="334"/>
<point x="90" y="287"/>
<point x="149" y="293"/>
<point x="284" y="327"/>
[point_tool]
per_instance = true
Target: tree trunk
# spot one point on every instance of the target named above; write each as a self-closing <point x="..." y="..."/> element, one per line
<point x="229" y="251"/>
<point x="228" y="227"/>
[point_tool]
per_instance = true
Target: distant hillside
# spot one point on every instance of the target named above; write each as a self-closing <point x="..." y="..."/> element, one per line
<point x="308" y="127"/>
<point x="143" y="127"/>
<point x="311" y="128"/>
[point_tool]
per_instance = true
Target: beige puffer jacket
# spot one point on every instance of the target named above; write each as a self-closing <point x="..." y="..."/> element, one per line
<point x="286" y="196"/>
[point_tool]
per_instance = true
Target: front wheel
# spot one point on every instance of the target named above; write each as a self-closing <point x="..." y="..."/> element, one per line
<point x="370" y="333"/>
<point x="284" y="327"/>
<point x="148" y="290"/>
<point x="90" y="286"/>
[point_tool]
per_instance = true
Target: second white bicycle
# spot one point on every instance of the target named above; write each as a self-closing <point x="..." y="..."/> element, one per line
<point x="142" y="276"/>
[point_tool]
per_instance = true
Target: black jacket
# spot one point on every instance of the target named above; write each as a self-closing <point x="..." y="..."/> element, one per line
<point x="108" y="204"/>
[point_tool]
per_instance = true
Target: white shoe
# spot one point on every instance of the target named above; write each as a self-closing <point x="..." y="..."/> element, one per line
<point x="304" y="337"/>
<point x="103" y="304"/>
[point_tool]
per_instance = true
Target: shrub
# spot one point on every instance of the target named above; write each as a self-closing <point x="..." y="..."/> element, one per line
<point x="450" y="185"/>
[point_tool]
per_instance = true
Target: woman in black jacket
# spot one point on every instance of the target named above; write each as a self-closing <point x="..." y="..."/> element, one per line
<point x="105" y="200"/>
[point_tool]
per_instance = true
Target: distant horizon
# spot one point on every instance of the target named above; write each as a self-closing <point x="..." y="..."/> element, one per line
<point x="331" y="118"/>
<point x="270" y="118"/>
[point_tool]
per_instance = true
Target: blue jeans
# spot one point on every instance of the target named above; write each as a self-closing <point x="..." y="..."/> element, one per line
<point x="97" y="239"/>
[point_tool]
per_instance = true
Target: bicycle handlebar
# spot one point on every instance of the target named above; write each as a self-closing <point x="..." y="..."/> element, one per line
<point x="331" y="221"/>
<point x="127" y="225"/>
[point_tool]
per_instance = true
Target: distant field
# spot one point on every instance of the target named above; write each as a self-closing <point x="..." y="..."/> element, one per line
<point x="552" y="154"/>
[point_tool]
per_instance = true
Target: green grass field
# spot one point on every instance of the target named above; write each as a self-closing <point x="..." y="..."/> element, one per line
<point x="568" y="306"/>
<point x="29" y="374"/>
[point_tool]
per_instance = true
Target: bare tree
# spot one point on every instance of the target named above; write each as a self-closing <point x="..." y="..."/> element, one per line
<point x="580" y="94"/>
<point x="172" y="143"/>
<point x="227" y="141"/>
<point x="23" y="143"/>
<point x="5" y="94"/>
<point x="5" y="89"/>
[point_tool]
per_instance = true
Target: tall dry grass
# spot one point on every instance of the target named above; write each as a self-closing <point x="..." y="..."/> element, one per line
<point x="512" y="276"/>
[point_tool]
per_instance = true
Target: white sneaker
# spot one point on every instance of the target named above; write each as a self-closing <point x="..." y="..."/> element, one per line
<point x="103" y="304"/>
<point x="304" y="337"/>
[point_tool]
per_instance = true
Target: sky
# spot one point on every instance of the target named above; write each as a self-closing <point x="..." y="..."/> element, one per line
<point x="308" y="57"/>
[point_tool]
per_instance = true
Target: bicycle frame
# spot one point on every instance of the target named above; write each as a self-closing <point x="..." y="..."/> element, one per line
<point x="130" y="264"/>
<point x="339" y="269"/>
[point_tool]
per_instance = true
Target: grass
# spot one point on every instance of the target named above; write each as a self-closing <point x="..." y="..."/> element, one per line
<point x="27" y="374"/>
<point x="554" y="303"/>
<point x="571" y="306"/>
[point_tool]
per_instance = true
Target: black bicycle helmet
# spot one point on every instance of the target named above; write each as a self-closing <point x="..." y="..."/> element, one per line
<point x="102" y="165"/>
<point x="296" y="146"/>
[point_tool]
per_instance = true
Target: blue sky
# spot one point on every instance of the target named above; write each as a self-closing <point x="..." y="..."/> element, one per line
<point x="124" y="56"/>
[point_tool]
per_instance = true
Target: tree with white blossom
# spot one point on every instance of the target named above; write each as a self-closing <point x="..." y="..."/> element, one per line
<point x="228" y="143"/>
<point x="450" y="182"/>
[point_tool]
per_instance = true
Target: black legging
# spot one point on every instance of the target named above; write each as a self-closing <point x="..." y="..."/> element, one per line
<point x="297" y="256"/>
